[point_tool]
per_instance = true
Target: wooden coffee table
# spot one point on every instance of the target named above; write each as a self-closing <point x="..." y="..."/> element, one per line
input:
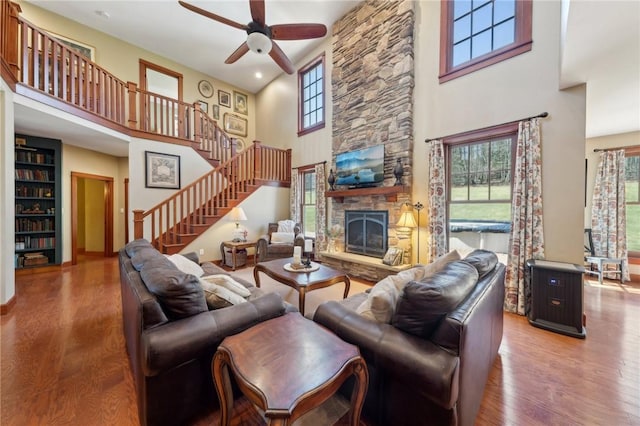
<point x="287" y="366"/>
<point x="303" y="282"/>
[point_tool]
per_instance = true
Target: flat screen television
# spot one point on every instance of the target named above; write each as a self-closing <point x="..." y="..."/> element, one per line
<point x="360" y="168"/>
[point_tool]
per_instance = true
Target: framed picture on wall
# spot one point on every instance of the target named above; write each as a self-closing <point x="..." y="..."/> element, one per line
<point x="215" y="112"/>
<point x="204" y="106"/>
<point x="161" y="170"/>
<point x="78" y="47"/>
<point x="224" y="98"/>
<point x="240" y="103"/>
<point x="235" y="125"/>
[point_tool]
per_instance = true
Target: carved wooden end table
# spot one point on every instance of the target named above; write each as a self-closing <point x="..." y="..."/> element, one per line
<point x="288" y="366"/>
<point x="303" y="282"/>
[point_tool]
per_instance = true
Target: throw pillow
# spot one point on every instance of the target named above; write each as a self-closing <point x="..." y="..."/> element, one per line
<point x="229" y="283"/>
<point x="381" y="301"/>
<point x="483" y="260"/>
<point x="287" y="225"/>
<point x="424" y="303"/>
<point x="179" y="294"/>
<point x="282" y="237"/>
<point x="185" y="265"/>
<point x="219" y="297"/>
<point x="440" y="262"/>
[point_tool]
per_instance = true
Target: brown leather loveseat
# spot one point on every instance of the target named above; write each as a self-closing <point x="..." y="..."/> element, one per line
<point x="171" y="335"/>
<point x="430" y="363"/>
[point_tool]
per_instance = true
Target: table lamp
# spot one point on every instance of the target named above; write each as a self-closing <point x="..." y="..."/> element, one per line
<point x="236" y="215"/>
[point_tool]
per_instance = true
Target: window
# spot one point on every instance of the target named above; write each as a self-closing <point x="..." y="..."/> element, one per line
<point x="480" y="167"/>
<point x="632" y="198"/>
<point x="311" y="96"/>
<point x="308" y="208"/>
<point x="478" y="33"/>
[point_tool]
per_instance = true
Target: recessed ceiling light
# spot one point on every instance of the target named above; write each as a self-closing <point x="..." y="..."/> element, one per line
<point x="103" y="14"/>
<point x="258" y="74"/>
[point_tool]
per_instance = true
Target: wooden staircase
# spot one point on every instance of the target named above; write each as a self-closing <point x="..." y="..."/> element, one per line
<point x="179" y="220"/>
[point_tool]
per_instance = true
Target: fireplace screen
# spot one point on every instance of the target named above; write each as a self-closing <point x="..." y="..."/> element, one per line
<point x="366" y="232"/>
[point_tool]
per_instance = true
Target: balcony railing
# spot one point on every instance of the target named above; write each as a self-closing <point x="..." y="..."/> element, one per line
<point x="41" y="67"/>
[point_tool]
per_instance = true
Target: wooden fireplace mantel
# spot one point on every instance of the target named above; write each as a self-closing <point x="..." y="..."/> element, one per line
<point x="390" y="192"/>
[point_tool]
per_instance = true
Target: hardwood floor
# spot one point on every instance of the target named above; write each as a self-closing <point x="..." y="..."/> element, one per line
<point x="64" y="362"/>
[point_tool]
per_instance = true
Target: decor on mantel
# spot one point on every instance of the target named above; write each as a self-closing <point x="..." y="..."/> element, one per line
<point x="331" y="180"/>
<point x="398" y="172"/>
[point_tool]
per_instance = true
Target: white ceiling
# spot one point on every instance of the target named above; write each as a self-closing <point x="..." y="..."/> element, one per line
<point x="169" y="30"/>
<point x="600" y="47"/>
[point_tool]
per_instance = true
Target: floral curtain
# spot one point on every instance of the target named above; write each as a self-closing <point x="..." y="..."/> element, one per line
<point x="608" y="211"/>
<point x="295" y="197"/>
<point x="527" y="236"/>
<point x="321" y="207"/>
<point x="437" y="209"/>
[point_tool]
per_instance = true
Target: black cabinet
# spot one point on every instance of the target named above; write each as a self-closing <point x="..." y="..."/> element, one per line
<point x="556" y="296"/>
<point x="38" y="195"/>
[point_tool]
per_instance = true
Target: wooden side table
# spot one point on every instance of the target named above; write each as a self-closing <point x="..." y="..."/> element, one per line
<point x="288" y="366"/>
<point x="234" y="246"/>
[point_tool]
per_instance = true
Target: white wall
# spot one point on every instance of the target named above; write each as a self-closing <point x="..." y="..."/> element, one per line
<point x="7" y="195"/>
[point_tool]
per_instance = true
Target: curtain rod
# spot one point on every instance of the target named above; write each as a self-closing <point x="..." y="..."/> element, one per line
<point x="541" y="115"/>
<point x="633" y="147"/>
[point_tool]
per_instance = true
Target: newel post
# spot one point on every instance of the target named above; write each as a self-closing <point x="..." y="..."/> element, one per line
<point x="132" y="89"/>
<point x="287" y="170"/>
<point x="9" y="46"/>
<point x="197" y="123"/>
<point x="138" y="224"/>
<point x="257" y="165"/>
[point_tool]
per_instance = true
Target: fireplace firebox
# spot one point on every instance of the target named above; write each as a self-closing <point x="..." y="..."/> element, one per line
<point x="366" y="232"/>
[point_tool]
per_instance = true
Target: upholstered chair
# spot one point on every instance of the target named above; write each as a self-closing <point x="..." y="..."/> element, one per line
<point x="278" y="242"/>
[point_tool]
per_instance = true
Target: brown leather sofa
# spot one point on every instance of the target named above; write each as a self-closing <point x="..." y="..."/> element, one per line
<point x="170" y="349"/>
<point x="428" y="376"/>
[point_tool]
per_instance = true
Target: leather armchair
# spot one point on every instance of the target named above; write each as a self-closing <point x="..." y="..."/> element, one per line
<point x="266" y="250"/>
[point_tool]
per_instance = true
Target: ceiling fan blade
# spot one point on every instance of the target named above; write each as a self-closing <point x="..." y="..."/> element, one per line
<point x="212" y="16"/>
<point x="239" y="53"/>
<point x="297" y="31"/>
<point x="281" y="59"/>
<point x="257" y="11"/>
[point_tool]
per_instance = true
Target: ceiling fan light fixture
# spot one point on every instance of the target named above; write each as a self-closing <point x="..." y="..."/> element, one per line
<point x="259" y="43"/>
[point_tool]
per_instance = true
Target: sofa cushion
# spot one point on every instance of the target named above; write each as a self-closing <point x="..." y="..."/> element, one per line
<point x="383" y="297"/>
<point x="179" y="294"/>
<point x="424" y="303"/>
<point x="185" y="265"/>
<point x="483" y="260"/>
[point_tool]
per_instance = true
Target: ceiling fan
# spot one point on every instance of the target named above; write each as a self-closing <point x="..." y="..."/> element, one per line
<point x="260" y="36"/>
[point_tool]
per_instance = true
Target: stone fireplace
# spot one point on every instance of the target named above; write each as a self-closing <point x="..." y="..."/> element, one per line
<point x="365" y="232"/>
<point x="372" y="85"/>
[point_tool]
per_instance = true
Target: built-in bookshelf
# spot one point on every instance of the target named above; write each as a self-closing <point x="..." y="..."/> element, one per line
<point x="38" y="196"/>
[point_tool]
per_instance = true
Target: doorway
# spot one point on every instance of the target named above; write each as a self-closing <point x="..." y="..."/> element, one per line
<point x="91" y="215"/>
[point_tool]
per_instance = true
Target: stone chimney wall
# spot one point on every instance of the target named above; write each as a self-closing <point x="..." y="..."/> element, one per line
<point x="373" y="81"/>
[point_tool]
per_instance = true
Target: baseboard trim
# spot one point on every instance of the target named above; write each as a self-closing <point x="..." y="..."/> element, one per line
<point x="6" y="307"/>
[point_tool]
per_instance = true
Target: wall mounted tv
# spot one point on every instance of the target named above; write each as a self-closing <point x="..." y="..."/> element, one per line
<point x="360" y="168"/>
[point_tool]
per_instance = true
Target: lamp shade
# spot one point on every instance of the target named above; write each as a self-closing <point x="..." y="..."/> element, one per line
<point x="406" y="220"/>
<point x="237" y="214"/>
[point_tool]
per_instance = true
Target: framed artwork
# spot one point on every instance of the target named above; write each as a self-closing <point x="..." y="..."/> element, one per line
<point x="393" y="257"/>
<point x="161" y="170"/>
<point x="235" y="125"/>
<point x="240" y="103"/>
<point x="205" y="88"/>
<point x="78" y="47"/>
<point x="204" y="106"/>
<point x="216" y="112"/>
<point x="239" y="144"/>
<point x="224" y="98"/>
